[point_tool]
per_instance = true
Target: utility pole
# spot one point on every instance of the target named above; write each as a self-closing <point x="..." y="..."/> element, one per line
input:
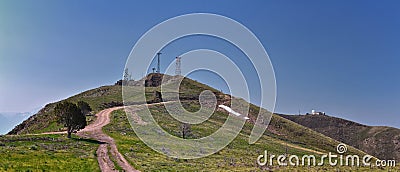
<point x="158" y="62"/>
<point x="178" y="66"/>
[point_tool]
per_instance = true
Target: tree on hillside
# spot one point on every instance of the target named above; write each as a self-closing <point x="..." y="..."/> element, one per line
<point x="71" y="117"/>
<point x="84" y="107"/>
<point x="186" y="130"/>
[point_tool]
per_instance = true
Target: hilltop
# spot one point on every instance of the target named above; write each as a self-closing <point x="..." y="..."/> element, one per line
<point x="282" y="136"/>
<point x="381" y="141"/>
<point x="102" y="98"/>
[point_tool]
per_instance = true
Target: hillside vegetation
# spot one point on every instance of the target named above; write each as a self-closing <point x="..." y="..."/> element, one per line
<point x="99" y="98"/>
<point x="382" y="142"/>
<point x="47" y="153"/>
<point x="282" y="137"/>
<point x="46" y="120"/>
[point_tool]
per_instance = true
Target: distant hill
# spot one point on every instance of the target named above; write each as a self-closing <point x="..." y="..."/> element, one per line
<point x="8" y="120"/>
<point x="379" y="141"/>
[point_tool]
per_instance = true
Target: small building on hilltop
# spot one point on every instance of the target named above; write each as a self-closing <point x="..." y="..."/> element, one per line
<point x="153" y="80"/>
<point x="314" y="112"/>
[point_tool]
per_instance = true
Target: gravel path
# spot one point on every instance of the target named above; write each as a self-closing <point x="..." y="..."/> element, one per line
<point x="94" y="131"/>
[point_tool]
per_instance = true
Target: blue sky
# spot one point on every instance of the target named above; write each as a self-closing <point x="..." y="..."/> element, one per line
<point x="341" y="57"/>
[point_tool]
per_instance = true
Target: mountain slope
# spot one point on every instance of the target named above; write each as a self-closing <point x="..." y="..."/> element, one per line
<point x="45" y="120"/>
<point x="380" y="141"/>
<point x="101" y="98"/>
<point x="282" y="137"/>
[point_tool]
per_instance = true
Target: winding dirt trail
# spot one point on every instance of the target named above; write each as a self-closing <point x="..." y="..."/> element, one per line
<point x="94" y="131"/>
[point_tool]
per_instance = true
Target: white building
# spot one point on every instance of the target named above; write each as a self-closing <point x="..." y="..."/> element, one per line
<point x="314" y="112"/>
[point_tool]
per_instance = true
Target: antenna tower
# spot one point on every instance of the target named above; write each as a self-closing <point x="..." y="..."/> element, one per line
<point x="178" y="66"/>
<point x="158" y="62"/>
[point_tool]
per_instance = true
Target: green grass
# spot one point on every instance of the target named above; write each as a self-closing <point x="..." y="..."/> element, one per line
<point x="47" y="153"/>
<point x="237" y="156"/>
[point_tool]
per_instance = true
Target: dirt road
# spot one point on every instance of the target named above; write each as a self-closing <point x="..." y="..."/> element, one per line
<point x="94" y="131"/>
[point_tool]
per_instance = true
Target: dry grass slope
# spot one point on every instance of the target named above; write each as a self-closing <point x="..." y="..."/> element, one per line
<point x="382" y="142"/>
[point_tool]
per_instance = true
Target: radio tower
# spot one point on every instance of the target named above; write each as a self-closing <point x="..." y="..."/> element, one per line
<point x="158" y="62"/>
<point x="178" y="66"/>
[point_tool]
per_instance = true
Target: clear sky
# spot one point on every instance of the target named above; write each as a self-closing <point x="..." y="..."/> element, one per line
<point x="341" y="57"/>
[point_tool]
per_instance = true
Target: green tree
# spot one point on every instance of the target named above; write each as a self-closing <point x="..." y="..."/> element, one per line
<point x="84" y="107"/>
<point x="71" y="117"/>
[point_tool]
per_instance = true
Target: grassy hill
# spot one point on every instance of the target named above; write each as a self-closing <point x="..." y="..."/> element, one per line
<point x="282" y="137"/>
<point x="45" y="120"/>
<point x="99" y="99"/>
<point x="382" y="142"/>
